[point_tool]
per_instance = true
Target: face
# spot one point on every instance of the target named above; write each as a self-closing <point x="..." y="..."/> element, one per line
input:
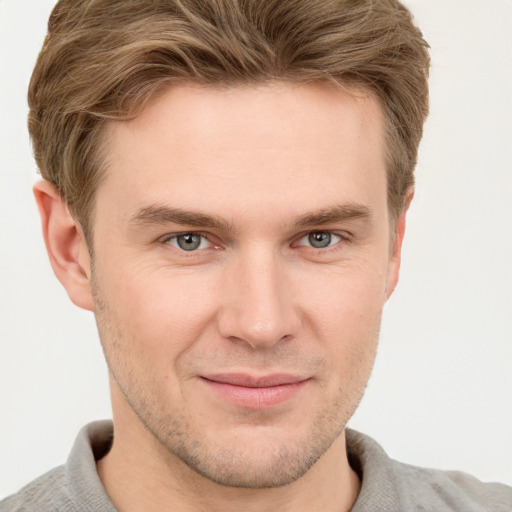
<point x="242" y="258"/>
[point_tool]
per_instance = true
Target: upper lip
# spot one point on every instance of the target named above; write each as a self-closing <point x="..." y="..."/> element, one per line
<point x="252" y="381"/>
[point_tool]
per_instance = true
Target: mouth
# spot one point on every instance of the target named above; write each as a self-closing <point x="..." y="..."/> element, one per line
<point x="255" y="392"/>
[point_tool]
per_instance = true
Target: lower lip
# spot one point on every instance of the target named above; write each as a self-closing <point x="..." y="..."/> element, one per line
<point x="255" y="398"/>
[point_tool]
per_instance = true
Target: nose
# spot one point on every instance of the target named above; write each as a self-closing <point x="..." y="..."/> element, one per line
<point x="259" y="305"/>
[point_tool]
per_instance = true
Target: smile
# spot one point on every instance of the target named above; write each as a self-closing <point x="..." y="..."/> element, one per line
<point x="255" y="392"/>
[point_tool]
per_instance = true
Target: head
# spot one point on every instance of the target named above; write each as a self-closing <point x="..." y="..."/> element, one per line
<point x="229" y="182"/>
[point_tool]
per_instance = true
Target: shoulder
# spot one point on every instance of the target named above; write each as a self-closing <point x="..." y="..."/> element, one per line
<point x="47" y="493"/>
<point x="389" y="485"/>
<point x="435" y="489"/>
<point x="73" y="487"/>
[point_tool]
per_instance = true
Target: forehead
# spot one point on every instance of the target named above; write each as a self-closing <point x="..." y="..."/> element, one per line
<point x="269" y="147"/>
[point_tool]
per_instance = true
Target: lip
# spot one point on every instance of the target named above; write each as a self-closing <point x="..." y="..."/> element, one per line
<point x="255" y="392"/>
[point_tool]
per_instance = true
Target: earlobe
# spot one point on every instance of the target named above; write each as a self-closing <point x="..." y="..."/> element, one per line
<point x="65" y="244"/>
<point x="396" y="255"/>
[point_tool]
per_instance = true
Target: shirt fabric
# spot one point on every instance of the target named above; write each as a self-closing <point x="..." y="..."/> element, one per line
<point x="386" y="485"/>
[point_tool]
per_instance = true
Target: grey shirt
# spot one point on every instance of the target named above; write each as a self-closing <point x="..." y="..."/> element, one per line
<point x="387" y="485"/>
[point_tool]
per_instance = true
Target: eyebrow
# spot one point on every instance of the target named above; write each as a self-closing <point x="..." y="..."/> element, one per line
<point x="158" y="214"/>
<point x="334" y="214"/>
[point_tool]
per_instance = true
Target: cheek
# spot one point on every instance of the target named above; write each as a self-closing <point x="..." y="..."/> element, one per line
<point x="344" y="296"/>
<point x="157" y="314"/>
<point x="343" y="307"/>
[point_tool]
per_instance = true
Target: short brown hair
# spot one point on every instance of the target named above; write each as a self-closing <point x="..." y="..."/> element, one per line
<point x="104" y="59"/>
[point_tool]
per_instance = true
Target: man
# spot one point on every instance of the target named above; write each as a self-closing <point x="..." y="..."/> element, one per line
<point x="225" y="186"/>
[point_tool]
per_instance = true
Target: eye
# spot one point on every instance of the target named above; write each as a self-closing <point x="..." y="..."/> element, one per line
<point x="188" y="241"/>
<point x="320" y="239"/>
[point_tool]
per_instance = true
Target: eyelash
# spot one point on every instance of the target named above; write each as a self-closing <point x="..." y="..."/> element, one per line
<point x="342" y="238"/>
<point x="334" y="246"/>
<point x="174" y="236"/>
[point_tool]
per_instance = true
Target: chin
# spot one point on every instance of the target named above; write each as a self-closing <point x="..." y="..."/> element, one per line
<point x="268" y="458"/>
<point x="269" y="468"/>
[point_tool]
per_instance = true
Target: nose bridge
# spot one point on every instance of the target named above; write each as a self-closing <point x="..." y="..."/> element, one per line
<point x="259" y="308"/>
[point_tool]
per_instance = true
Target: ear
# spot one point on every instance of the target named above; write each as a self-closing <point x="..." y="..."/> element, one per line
<point x="396" y="250"/>
<point x="65" y="244"/>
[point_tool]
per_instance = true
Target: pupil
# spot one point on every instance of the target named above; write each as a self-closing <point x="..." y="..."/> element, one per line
<point x="320" y="240"/>
<point x="189" y="242"/>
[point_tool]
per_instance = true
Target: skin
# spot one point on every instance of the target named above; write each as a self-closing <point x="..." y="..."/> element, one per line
<point x="270" y="165"/>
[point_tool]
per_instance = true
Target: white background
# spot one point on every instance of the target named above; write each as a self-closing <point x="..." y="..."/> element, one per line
<point x="441" y="391"/>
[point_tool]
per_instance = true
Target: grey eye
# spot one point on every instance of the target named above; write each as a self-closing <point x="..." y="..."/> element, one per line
<point x="189" y="241"/>
<point x="320" y="239"/>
